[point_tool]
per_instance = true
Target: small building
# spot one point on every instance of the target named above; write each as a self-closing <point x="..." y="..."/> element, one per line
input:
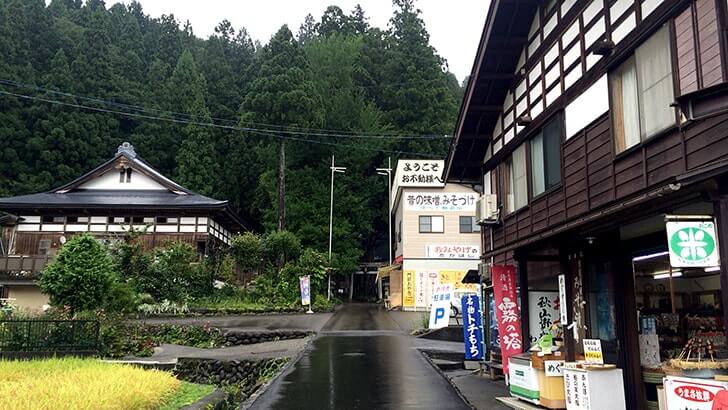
<point x="436" y="239"/>
<point x="598" y="128"/>
<point x="122" y="194"/>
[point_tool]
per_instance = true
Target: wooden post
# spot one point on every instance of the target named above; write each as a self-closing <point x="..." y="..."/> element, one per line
<point x="282" y="186"/>
<point x="720" y="208"/>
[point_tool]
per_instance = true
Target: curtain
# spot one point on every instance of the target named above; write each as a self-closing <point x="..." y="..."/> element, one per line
<point x="538" y="173"/>
<point x="654" y="71"/>
<point x="520" y="193"/>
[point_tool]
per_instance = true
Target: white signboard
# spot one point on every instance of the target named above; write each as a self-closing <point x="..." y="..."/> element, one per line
<point x="452" y="251"/>
<point x="440" y="312"/>
<point x="692" y="244"/>
<point x="593" y="351"/>
<point x="691" y="394"/>
<point x="419" y="173"/>
<point x="554" y="368"/>
<point x="542" y="313"/>
<point x="421" y="290"/>
<point x="440" y="201"/>
<point x="576" y="389"/>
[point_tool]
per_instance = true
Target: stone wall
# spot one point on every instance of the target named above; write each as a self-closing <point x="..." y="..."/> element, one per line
<point x="246" y="376"/>
<point x="237" y="337"/>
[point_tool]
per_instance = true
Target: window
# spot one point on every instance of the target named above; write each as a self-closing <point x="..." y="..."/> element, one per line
<point x="642" y="93"/>
<point x="52" y="219"/>
<point x="516" y="184"/>
<point x="546" y="157"/>
<point x="138" y="220"/>
<point x="468" y="225"/>
<point x="432" y="224"/>
<point x="124" y="175"/>
<point x="44" y="246"/>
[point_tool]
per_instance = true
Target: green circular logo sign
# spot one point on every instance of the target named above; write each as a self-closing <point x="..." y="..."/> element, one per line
<point x="692" y="244"/>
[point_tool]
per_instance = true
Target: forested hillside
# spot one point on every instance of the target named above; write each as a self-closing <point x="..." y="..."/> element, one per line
<point x="77" y="79"/>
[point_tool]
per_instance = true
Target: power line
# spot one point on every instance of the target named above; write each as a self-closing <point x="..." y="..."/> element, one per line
<point x="301" y="130"/>
<point x="268" y="133"/>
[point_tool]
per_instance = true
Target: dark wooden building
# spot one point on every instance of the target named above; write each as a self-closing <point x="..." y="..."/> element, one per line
<point x="591" y="122"/>
<point x="121" y="195"/>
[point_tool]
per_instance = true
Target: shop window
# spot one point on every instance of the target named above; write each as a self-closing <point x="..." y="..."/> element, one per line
<point x="516" y="185"/>
<point x="642" y="92"/>
<point x="468" y="225"/>
<point x="432" y="224"/>
<point x="546" y="157"/>
<point x="543" y="303"/>
<point x="675" y="305"/>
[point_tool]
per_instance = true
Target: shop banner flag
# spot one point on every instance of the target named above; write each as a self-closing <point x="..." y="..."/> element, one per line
<point x="472" y="329"/>
<point x="305" y="283"/>
<point x="506" y="310"/>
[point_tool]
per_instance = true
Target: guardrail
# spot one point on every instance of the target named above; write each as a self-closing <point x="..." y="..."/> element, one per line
<point x="48" y="337"/>
<point x="23" y="263"/>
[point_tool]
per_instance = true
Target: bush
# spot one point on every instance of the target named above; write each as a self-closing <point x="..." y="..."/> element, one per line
<point x="122" y="298"/>
<point x="173" y="274"/>
<point x="80" y="276"/>
<point x="247" y="249"/>
<point x="280" y="247"/>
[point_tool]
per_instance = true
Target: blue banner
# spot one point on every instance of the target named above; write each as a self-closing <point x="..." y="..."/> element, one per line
<point x="472" y="330"/>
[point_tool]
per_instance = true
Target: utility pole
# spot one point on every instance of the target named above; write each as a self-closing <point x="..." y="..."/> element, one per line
<point x="388" y="172"/>
<point x="282" y="186"/>
<point x="334" y="170"/>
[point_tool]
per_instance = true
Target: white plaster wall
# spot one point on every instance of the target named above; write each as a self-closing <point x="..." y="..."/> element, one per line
<point x="110" y="181"/>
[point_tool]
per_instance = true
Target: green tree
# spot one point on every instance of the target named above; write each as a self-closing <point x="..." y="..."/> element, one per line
<point x="80" y="276"/>
<point x="247" y="250"/>
<point x="197" y="166"/>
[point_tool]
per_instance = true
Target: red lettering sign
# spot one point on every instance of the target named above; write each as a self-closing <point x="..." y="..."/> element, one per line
<point x="694" y="393"/>
<point x="507" y="312"/>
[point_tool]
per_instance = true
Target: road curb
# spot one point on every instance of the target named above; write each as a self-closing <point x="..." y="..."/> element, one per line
<point x="449" y="380"/>
<point x="250" y="401"/>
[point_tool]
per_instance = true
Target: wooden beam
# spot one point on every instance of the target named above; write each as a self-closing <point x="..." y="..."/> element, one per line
<point x="485" y="108"/>
<point x="496" y="76"/>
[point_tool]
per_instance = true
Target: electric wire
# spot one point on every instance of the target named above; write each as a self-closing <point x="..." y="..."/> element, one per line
<point x="268" y="133"/>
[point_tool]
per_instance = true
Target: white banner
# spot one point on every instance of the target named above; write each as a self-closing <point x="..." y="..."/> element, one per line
<point x="452" y="251"/>
<point x="542" y="313"/>
<point x="419" y="173"/>
<point x="439" y="201"/>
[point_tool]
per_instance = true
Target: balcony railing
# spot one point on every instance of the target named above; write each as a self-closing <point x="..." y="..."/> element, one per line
<point x="28" y="264"/>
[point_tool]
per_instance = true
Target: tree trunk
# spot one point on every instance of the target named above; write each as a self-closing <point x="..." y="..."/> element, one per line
<point x="282" y="187"/>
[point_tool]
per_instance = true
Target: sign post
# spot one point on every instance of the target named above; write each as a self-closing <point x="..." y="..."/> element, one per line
<point x="305" y="284"/>
<point x="507" y="312"/>
<point x="472" y="328"/>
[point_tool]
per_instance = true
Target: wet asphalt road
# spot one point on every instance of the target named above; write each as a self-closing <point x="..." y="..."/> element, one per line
<point x="361" y="360"/>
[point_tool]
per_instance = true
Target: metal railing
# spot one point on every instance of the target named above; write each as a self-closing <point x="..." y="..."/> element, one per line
<point x="23" y="263"/>
<point x="49" y="336"/>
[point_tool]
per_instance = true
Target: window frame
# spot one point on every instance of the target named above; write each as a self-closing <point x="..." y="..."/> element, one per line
<point x="474" y="227"/>
<point x="419" y="223"/>
<point x="558" y="121"/>
<point x="632" y="59"/>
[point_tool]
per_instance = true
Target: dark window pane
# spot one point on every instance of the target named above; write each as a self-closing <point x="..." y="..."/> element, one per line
<point x="425" y="224"/>
<point x="552" y="152"/>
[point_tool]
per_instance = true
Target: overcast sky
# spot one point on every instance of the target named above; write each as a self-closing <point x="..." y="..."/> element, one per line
<point x="454" y="25"/>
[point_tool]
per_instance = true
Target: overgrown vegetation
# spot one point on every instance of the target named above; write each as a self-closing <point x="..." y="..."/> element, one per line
<point x="187" y="394"/>
<point x="124" y="338"/>
<point x="83" y="384"/>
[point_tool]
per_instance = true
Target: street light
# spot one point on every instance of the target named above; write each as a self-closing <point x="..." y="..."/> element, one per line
<point x="388" y="173"/>
<point x="334" y="170"/>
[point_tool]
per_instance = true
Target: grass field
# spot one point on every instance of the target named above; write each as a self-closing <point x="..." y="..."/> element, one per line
<point x="90" y="384"/>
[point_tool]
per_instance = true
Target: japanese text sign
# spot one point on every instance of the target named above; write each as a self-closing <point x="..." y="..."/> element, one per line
<point x="593" y="351"/>
<point x="472" y="330"/>
<point x="507" y="312"/>
<point x="441" y="201"/>
<point x="692" y="244"/>
<point x="408" y="287"/>
<point x="554" y="368"/>
<point x="419" y="173"/>
<point x="305" y="284"/>
<point x="452" y="251"/>
<point x="440" y="312"/>
<point x="685" y="393"/>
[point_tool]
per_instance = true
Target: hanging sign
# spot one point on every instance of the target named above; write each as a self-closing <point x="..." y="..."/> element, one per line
<point x="472" y="329"/>
<point x="440" y="312"/>
<point x="419" y="173"/>
<point x="452" y="251"/>
<point x="543" y="310"/>
<point x="507" y="312"/>
<point x="305" y="284"/>
<point x="562" y="298"/>
<point x="593" y="351"/>
<point x="692" y="243"/>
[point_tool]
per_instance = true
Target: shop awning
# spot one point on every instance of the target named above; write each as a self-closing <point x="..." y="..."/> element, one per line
<point x="384" y="271"/>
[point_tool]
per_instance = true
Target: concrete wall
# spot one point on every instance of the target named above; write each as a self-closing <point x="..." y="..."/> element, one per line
<point x="27" y="297"/>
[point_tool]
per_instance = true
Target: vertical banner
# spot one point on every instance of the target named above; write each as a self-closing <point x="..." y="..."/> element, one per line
<point x="305" y="284"/>
<point x="472" y="329"/>
<point x="506" y="307"/>
<point x="440" y="312"/>
<point x="420" y="289"/>
<point x="408" y="287"/>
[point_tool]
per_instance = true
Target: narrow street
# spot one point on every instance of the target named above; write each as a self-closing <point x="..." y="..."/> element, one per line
<point x="361" y="359"/>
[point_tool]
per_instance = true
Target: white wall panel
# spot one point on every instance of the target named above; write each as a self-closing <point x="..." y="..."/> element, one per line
<point x="587" y="107"/>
